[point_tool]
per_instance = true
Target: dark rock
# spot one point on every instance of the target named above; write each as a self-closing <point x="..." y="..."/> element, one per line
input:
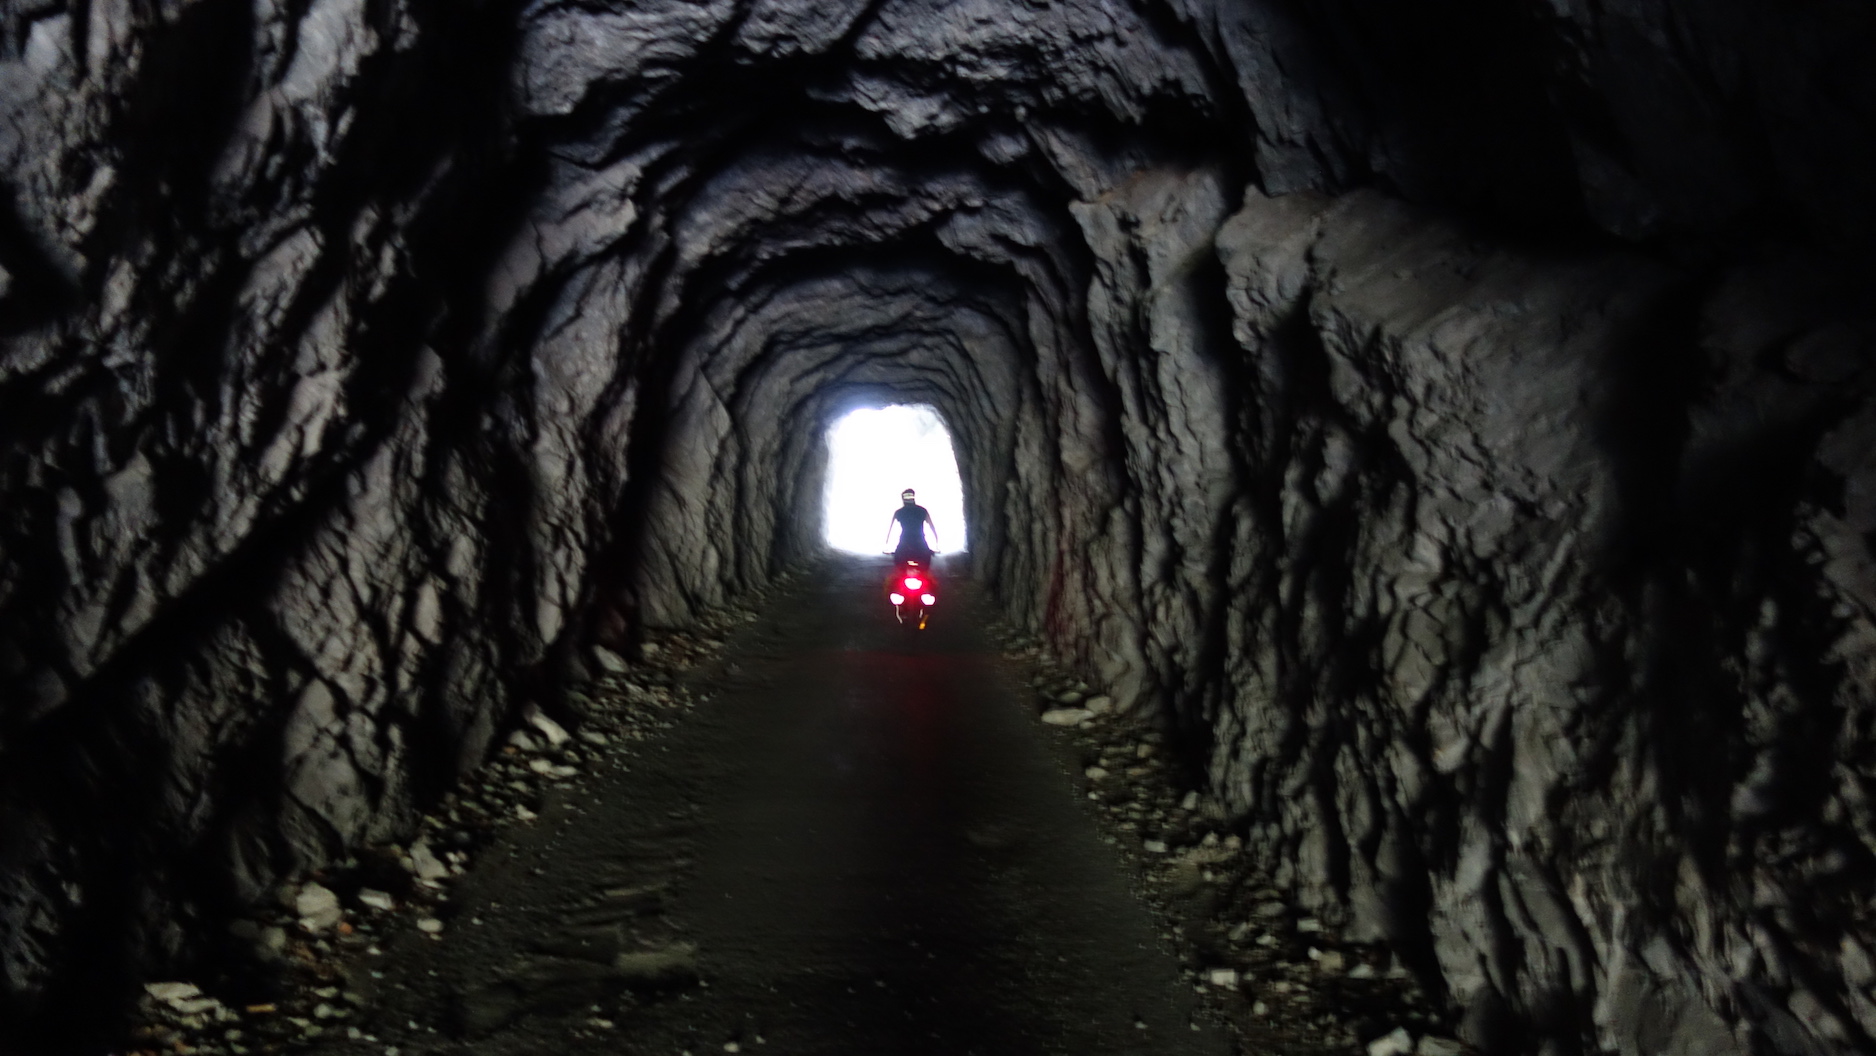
<point x="600" y="944"/>
<point x="672" y="966"/>
<point x="560" y="986"/>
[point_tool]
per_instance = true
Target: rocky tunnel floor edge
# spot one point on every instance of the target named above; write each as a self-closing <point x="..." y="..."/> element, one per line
<point x="1258" y="967"/>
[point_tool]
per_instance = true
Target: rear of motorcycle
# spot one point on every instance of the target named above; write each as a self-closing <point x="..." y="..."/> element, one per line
<point x="912" y="592"/>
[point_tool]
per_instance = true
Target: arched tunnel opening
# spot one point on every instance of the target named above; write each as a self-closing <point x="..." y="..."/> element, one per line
<point x="874" y="456"/>
<point x="1420" y="588"/>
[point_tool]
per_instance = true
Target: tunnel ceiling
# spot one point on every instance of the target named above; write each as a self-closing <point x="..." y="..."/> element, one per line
<point x="1451" y="420"/>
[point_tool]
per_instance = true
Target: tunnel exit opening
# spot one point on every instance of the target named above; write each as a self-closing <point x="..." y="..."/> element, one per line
<point x="875" y="453"/>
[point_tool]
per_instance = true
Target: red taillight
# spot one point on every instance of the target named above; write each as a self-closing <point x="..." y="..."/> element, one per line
<point x="913" y="582"/>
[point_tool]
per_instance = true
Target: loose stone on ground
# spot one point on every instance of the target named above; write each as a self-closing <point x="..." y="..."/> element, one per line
<point x="1274" y="972"/>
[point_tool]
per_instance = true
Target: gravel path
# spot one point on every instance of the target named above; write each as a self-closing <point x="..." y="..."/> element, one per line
<point x="858" y="842"/>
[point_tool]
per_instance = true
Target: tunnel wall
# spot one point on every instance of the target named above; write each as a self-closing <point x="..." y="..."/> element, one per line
<point x="247" y="613"/>
<point x="1455" y="423"/>
<point x="1453" y="576"/>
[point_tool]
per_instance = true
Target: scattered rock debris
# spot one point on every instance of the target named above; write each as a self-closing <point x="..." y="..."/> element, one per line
<point x="1278" y="977"/>
<point x="303" y="968"/>
<point x="1274" y="975"/>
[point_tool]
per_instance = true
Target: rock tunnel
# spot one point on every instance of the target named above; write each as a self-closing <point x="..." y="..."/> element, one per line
<point x="1452" y="424"/>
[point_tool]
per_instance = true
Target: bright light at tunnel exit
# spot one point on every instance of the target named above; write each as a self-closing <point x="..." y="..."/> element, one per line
<point x="875" y="453"/>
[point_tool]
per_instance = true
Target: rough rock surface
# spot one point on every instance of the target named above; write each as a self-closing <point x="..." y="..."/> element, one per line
<point x="1454" y="418"/>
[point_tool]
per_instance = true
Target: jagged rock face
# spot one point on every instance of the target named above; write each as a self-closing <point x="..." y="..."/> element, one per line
<point x="1456" y="420"/>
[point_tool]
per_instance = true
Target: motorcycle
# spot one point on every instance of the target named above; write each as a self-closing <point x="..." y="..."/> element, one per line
<point x="912" y="591"/>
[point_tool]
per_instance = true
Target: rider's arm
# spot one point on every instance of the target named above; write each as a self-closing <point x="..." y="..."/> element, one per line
<point x="933" y="525"/>
<point x="891" y="523"/>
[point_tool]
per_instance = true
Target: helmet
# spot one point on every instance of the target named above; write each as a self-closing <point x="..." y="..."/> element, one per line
<point x="908" y="494"/>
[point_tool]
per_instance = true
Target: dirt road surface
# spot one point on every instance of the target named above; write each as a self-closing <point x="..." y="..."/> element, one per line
<point x="859" y="842"/>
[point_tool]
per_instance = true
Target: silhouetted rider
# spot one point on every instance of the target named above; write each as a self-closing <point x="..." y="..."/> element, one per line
<point x="912" y="519"/>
